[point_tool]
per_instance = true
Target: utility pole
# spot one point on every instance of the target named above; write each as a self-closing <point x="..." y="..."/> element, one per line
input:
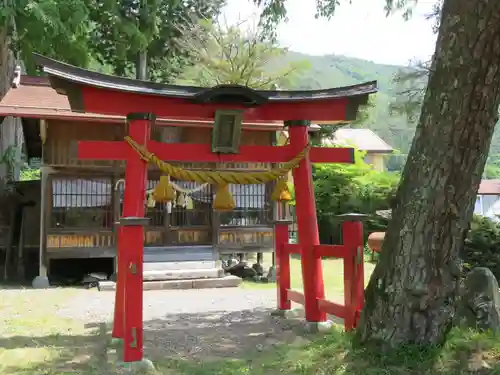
<point x="141" y="65"/>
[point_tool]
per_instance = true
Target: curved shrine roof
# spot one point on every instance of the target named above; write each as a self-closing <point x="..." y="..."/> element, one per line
<point x="95" y="92"/>
<point x="89" y="78"/>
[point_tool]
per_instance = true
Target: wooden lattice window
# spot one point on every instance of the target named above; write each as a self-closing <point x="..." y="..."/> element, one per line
<point x="253" y="206"/>
<point x="81" y="203"/>
<point x="200" y="213"/>
<point x="180" y="215"/>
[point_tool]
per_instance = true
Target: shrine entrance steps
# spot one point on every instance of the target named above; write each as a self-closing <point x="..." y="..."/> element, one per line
<point x="181" y="267"/>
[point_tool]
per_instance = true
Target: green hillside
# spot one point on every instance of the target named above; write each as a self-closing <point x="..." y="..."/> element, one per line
<point x="333" y="70"/>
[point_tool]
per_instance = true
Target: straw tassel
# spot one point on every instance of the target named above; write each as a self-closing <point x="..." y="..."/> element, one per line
<point x="281" y="192"/>
<point x="189" y="203"/>
<point x="181" y="201"/>
<point x="164" y="192"/>
<point x="223" y="199"/>
<point x="151" y="201"/>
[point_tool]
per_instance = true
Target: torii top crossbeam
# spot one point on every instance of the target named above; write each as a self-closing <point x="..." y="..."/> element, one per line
<point x="99" y="93"/>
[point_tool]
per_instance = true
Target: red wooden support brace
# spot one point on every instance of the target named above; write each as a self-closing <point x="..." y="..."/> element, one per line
<point x="352" y="233"/>
<point x="282" y="264"/>
<point x="312" y="271"/>
<point x="119" y="313"/>
<point x="133" y="238"/>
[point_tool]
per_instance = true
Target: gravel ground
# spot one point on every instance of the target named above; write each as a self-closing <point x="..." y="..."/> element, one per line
<point x="207" y="323"/>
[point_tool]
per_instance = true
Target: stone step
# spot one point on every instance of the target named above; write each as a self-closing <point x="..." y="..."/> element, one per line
<point x="220" y="282"/>
<point x="165" y="266"/>
<point x="188" y="274"/>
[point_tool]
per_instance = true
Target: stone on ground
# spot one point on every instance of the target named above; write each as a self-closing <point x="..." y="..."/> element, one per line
<point x="258" y="269"/>
<point x="241" y="270"/>
<point x="479" y="304"/>
<point x="40" y="282"/>
<point x="143" y="367"/>
<point x="271" y="274"/>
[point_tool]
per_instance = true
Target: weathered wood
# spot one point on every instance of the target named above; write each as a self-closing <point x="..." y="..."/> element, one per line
<point x="246" y="239"/>
<point x="20" y="247"/>
<point x="62" y="136"/>
<point x="8" y="247"/>
<point x="82" y="253"/>
<point x="412" y="293"/>
<point x="85" y="239"/>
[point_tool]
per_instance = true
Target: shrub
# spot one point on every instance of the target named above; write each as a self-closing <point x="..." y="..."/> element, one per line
<point x="348" y="188"/>
<point x="482" y="246"/>
<point x="341" y="189"/>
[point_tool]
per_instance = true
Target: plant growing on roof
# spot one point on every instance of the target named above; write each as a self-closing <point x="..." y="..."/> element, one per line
<point x="235" y="54"/>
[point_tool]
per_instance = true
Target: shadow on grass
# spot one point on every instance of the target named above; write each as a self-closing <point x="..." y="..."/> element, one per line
<point x="56" y="354"/>
<point x="334" y="354"/>
<point x="217" y="335"/>
<point x="244" y="342"/>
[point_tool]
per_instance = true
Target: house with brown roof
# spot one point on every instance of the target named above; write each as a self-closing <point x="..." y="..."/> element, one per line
<point x="364" y="140"/>
<point x="488" y="199"/>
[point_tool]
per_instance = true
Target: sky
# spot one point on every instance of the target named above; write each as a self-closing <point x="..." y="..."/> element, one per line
<point x="360" y="30"/>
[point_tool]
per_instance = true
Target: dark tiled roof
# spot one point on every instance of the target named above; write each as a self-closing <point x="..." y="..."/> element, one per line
<point x="34" y="98"/>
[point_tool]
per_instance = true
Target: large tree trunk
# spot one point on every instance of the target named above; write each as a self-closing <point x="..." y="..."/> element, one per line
<point x="412" y="293"/>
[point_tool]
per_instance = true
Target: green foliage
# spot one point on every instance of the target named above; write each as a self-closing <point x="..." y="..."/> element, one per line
<point x="123" y="29"/>
<point x="333" y="71"/>
<point x="110" y="32"/>
<point x="11" y="158"/>
<point x="341" y="189"/>
<point x="231" y="55"/>
<point x="482" y="246"/>
<point x="29" y="174"/>
<point x="274" y="11"/>
<point x="410" y="89"/>
<point x="491" y="172"/>
<point x="56" y="28"/>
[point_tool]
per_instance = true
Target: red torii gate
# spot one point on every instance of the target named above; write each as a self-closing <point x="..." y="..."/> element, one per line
<point x="141" y="102"/>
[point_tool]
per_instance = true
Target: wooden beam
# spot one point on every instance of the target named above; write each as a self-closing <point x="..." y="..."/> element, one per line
<point x="297" y="297"/>
<point x="182" y="152"/>
<point x="337" y="251"/>
<point x="114" y="102"/>
<point x="332" y="308"/>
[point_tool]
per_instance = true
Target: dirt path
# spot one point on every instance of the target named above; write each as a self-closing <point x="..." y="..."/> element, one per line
<point x="68" y="331"/>
<point x="198" y="324"/>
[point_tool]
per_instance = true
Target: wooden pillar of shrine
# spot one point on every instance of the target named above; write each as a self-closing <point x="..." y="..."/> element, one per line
<point x="312" y="271"/>
<point x="128" y="322"/>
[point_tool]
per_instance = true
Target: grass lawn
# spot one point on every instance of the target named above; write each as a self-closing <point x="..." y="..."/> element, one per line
<point x="35" y="341"/>
<point x="333" y="277"/>
<point x="333" y="354"/>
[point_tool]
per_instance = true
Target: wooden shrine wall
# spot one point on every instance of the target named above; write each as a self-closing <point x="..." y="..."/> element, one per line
<point x="249" y="237"/>
<point x="60" y="147"/>
<point x="98" y="239"/>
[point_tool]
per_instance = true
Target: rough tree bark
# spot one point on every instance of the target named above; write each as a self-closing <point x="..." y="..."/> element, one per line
<point x="412" y="293"/>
